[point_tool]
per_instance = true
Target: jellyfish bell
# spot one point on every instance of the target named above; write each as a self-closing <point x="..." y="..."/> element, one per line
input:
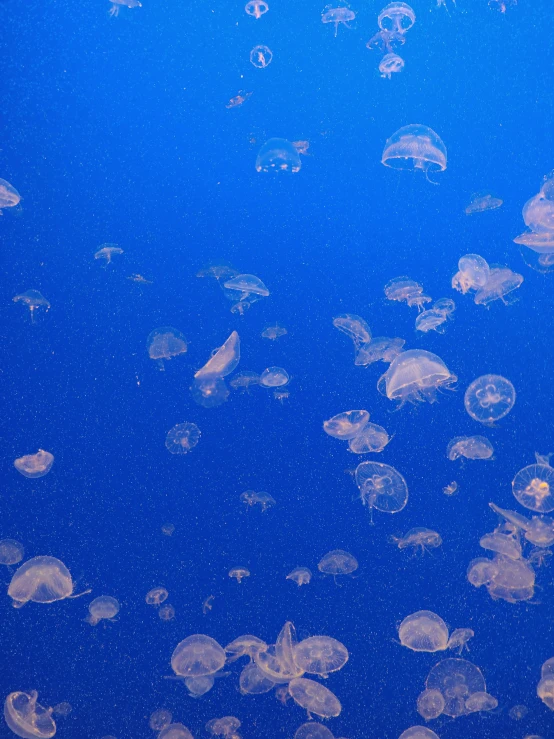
<point x="226" y="727"/>
<point x="397" y="17"/>
<point x="256" y="8"/>
<point x="390" y="64"/>
<point x="354" y="327"/>
<point x="182" y="438"/>
<point x="261" y="56"/>
<point x="415" y="375"/>
<point x="104" y="607"/>
<point x="480" y="202"/>
<point x="197" y="655"/>
<point x="252" y="681"/>
<point x="313" y="730"/>
<point x="278" y="155"/>
<point x="418" y="732"/>
<point x="27" y="718"/>
<point x="210" y="391"/>
<point x="541" y="243"/>
<point x="175" y="731"/>
<point x="533" y="487"/>
<point x="379" y="349"/>
<point x="34" y="300"/>
<point x="11" y="552"/>
<point x="160" y="719"/>
<point x="314" y="697"/>
<point x="34" y="465"/>
<point x="337" y="562"/>
<point x="247" y="285"/>
<point x="423" y="631"/>
<point x="501" y="281"/>
<point x="381" y="487"/>
<point x="274" y="377"/>
<point x="415" y="147"/>
<point x="489" y="398"/>
<point x="224" y="359"/>
<point x="372" y="438"/>
<point x="456" y="679"/>
<point x="346" y="425"/>
<point x="41" y="580"/>
<point x="165" y="342"/>
<point x="473" y="273"/>
<point x="342" y="15"/>
<point x="430" y="704"/>
<point x="9" y="197"/>
<point x="199" y="686"/>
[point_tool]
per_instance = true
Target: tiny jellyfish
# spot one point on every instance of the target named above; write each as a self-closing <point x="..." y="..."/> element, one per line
<point x="223" y="361"/>
<point x="166" y="612"/>
<point x="482" y="202"/>
<point x="320" y="655"/>
<point x="372" y="438"/>
<point x="164" y="343"/>
<point x="451" y="488"/>
<point x="107" y="251"/>
<point x="243" y="380"/>
<point x="160" y="719"/>
<point x="168" y="529"/>
<point x="338" y="15"/>
<point x="501" y="282"/>
<point x="273" y="332"/>
<point x="9" y="197"/>
<point x="114" y="10"/>
<point x="300" y="575"/>
<point x="414" y="376"/>
<point x="390" y="64"/>
<point x="346" y="425"/>
<point x="238" y="99"/>
<point x="418" y="732"/>
<point x="385" y="41"/>
<point x="175" y="731"/>
<point x="502" y="5"/>
<point x="354" y="327"/>
<point x="256" y="8"/>
<point x="197" y="655"/>
<point x="34" y="301"/>
<point x="533" y="487"/>
<point x="156" y="596"/>
<point x="226" y="727"/>
<point x="11" y="552"/>
<point x="182" y="438"/>
<point x="402" y="289"/>
<point x="481" y="701"/>
<point x="102" y="608"/>
<point x="218" y="272"/>
<point x="337" y="562"/>
<point x="470" y="447"/>
<point x="459" y="639"/>
<point x="430" y="704"/>
<point x="140" y="279"/>
<point x="381" y="487"/>
<point x="302" y="147"/>
<point x="457" y="679"/>
<point x="516" y="713"/>
<point x="246" y="645"/>
<point x="238" y="573"/>
<point x="314" y="697"/>
<point x="397" y="17"/>
<point x="274" y="377"/>
<point x="415" y="147"/>
<point x="208" y="604"/>
<point x="247" y="285"/>
<point x="35" y="465"/>
<point x="379" y="349"/>
<point x="473" y="273"/>
<point x="419" y="538"/>
<point x="313" y="730"/>
<point x="210" y="391"/>
<point x="281" y="395"/>
<point x="278" y="155"/>
<point x="261" y="57"/>
<point x="251" y="498"/>
<point x="489" y="398"/>
<point x="27" y="718"/>
<point x="41" y="580"/>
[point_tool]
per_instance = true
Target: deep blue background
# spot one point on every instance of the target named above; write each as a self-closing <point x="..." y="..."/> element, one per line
<point x="115" y="129"/>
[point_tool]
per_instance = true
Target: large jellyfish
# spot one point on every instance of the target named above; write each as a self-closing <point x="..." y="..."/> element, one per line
<point x="415" y="375"/>
<point x="415" y="147"/>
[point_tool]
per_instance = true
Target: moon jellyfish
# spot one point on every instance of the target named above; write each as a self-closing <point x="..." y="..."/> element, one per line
<point x="404" y="290"/>
<point x="424" y="631"/>
<point x="165" y="342"/>
<point x="160" y="719"/>
<point x="300" y="575"/>
<point x="482" y="202"/>
<point x="354" y="327"/>
<point x="251" y="498"/>
<point x="102" y="608"/>
<point x="175" y="731"/>
<point x="33" y="300"/>
<point x="533" y="487"/>
<point x="381" y="487"/>
<point x="372" y="438"/>
<point x="11" y="552"/>
<point x="507" y="579"/>
<point x="261" y="57"/>
<point x="166" y="612"/>
<point x="415" y="147"/>
<point x="470" y="447"/>
<point x="223" y="360"/>
<point x="27" y="718"/>
<point x="9" y="197"/>
<point x="419" y="538"/>
<point x="156" y="596"/>
<point x="274" y="332"/>
<point x="320" y="655"/>
<point x="245" y="646"/>
<point x="313" y="730"/>
<point x="338" y="15"/>
<point x="430" y="704"/>
<point x="481" y="701"/>
<point x="414" y="376"/>
<point x="538" y="531"/>
<point x="278" y="155"/>
<point x="418" y="732"/>
<point x="256" y="8"/>
<point x="41" y="580"/>
<point x="473" y="273"/>
<point x="381" y="348"/>
<point x="337" y="562"/>
<point x="197" y="655"/>
<point x="107" y="251"/>
<point x="35" y="465"/>
<point x="246" y="285"/>
<point x="502" y="541"/>
<point x="346" y="425"/>
<point x="209" y="392"/>
<point x="182" y="438"/>
<point x="501" y="282"/>
<point x="226" y="727"/>
<point x="274" y="377"/>
<point x="252" y="681"/>
<point x="489" y="398"/>
<point x="545" y="688"/>
<point x="239" y="573"/>
<point x="314" y="697"/>
<point x="391" y="64"/>
<point x="198" y="686"/>
<point x="457" y="680"/>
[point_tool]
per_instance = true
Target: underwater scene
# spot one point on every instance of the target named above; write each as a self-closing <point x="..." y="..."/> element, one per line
<point x="277" y="385"/>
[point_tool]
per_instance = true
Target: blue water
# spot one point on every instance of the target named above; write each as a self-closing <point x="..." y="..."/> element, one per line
<point x="115" y="130"/>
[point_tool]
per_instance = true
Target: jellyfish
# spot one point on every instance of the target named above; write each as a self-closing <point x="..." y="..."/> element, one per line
<point x="165" y="343"/>
<point x="302" y="147"/>
<point x="346" y="425"/>
<point x="246" y="286"/>
<point x="273" y="332"/>
<point x="199" y="686"/>
<point x="419" y="538"/>
<point x="314" y="697"/>
<point x="381" y="348"/>
<point x="175" y="731"/>
<point x="451" y="488"/>
<point x="274" y="377"/>
<point x="545" y="691"/>
<point x="501" y="282"/>
<point x="481" y="202"/>
<point x="507" y="579"/>
<point x="156" y="596"/>
<point x="415" y="147"/>
<point x="252" y="681"/>
<point x="372" y="438"/>
<point x="459" y="639"/>
<point x="34" y="301"/>
<point x="160" y="719"/>
<point x="516" y="713"/>
<point x="102" y="608"/>
<point x="338" y="15"/>
<point x="243" y="380"/>
<point x="415" y="375"/>
<point x="27" y="718"/>
<point x="245" y="646"/>
<point x="489" y="398"/>
<point x="402" y="289"/>
<point x="182" y="438"/>
<point x="390" y="64"/>
<point x="337" y="562"/>
<point x="385" y="41"/>
<point x="396" y="17"/>
<point x="278" y="155"/>
<point x="533" y="487"/>
<point x="11" y="552"/>
<point x="251" y="498"/>
<point x="503" y="541"/>
<point x="256" y="8"/>
<point x="473" y="273"/>
<point x="107" y="251"/>
<point x="166" y="612"/>
<point x="168" y="529"/>
<point x="135" y="277"/>
<point x="300" y="575"/>
<point x="538" y="531"/>
<point x="41" y="580"/>
<point x="277" y="663"/>
<point x="210" y="391"/>
<point x="430" y="704"/>
<point x="197" y="655"/>
<point x="481" y="701"/>
<point x="35" y="465"/>
<point x="281" y="395"/>
<point x="238" y="573"/>
<point x="418" y="732"/>
<point x="226" y="727"/>
<point x="423" y="631"/>
<point x="114" y="10"/>
<point x="431" y="320"/>
<point x="320" y="655"/>
<point x="223" y="360"/>
<point x="381" y="487"/>
<point x="457" y="679"/>
<point x="354" y="327"/>
<point x="9" y="197"/>
<point x="470" y="447"/>
<point x="313" y="730"/>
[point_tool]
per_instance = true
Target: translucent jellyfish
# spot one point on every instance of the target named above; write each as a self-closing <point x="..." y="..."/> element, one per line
<point x="210" y="391"/>
<point x="274" y="377"/>
<point x="314" y="697"/>
<point x="470" y="447"/>
<point x="419" y="538"/>
<point x="166" y="612"/>
<point x="538" y="211"/>
<point x="35" y="465"/>
<point x="168" y="529"/>
<point x="278" y="155"/>
<point x="346" y="425"/>
<point x="415" y="375"/>
<point x="430" y="704"/>
<point x="482" y="202"/>
<point x="451" y="488"/>
<point x="542" y="243"/>
<point x="473" y="273"/>
<point x="516" y="713"/>
<point x="457" y="679"/>
<point x="538" y="531"/>
<point x="313" y="730"/>
<point x="198" y="686"/>
<point x="418" y="732"/>
<point x="320" y="655"/>
<point x="501" y="282"/>
<point x="257" y="8"/>
<point x="34" y="301"/>
<point x="107" y="251"/>
<point x="391" y="64"/>
<point x="396" y="17"/>
<point x="102" y="608"/>
<point x="337" y="562"/>
<point x="238" y="99"/>
<point x="226" y="727"/>
<point x="281" y="395"/>
<point x="503" y="542"/>
<point x="247" y="285"/>
<point x="338" y="15"/>
<point x="27" y="718"/>
<point x="182" y="438"/>
<point x="245" y="646"/>
<point x="354" y="327"/>
<point x="459" y="639"/>
<point x="481" y="701"/>
<point x="381" y="487"/>
<point x="386" y="41"/>
<point x="252" y="681"/>
<point x="545" y="691"/>
<point x="156" y="596"/>
<point x="489" y="398"/>
<point x="300" y="575"/>
<point x="238" y="573"/>
<point x="251" y="498"/>
<point x="423" y="631"/>
<point x="160" y="719"/>
<point x="165" y="343"/>
<point x="261" y="57"/>
<point x="41" y="580"/>
<point x="277" y="663"/>
<point x="11" y="552"/>
<point x="197" y="655"/>
<point x="372" y="438"/>
<point x="243" y="380"/>
<point x="505" y="578"/>
<point x="382" y="348"/>
<point x="415" y="147"/>
<point x="175" y="731"/>
<point x="431" y="320"/>
<point x="9" y="197"/>
<point x="223" y="360"/>
<point x="114" y="10"/>
<point x="302" y="147"/>
<point x="533" y="487"/>
<point x="273" y="332"/>
<point x="207" y="605"/>
<point x="140" y="279"/>
<point x="402" y="289"/>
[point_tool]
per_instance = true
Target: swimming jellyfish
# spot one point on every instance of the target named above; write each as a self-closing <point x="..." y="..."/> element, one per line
<point x="489" y="398"/>
<point x="415" y="147"/>
<point x="197" y="655"/>
<point x="27" y="718"/>
<point x="314" y="697"/>
<point x="381" y="487"/>
<point x="11" y="552"/>
<point x="470" y="447"/>
<point x="482" y="202"/>
<point x="342" y="15"/>
<point x="261" y="57"/>
<point x="182" y="438"/>
<point x="274" y="377"/>
<point x="320" y="655"/>
<point x="160" y="719"/>
<point x="354" y="327"/>
<point x="337" y="562"/>
<point x="41" y="580"/>
<point x="415" y="375"/>
<point x="456" y="679"/>
<point x="238" y="573"/>
<point x="418" y="538"/>
<point x="106" y="251"/>
<point x="346" y="425"/>
<point x="9" y="197"/>
<point x="501" y="281"/>
<point x="278" y="155"/>
<point x="34" y="301"/>
<point x="397" y="17"/>
<point x="156" y="596"/>
<point x="300" y="575"/>
<point x="418" y="732"/>
<point x="256" y="8"/>
<point x="473" y="273"/>
<point x="533" y="486"/>
<point x="225" y="727"/>
<point x="102" y="608"/>
<point x="165" y="342"/>
<point x="34" y="465"/>
<point x="372" y="438"/>
<point x="390" y="64"/>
